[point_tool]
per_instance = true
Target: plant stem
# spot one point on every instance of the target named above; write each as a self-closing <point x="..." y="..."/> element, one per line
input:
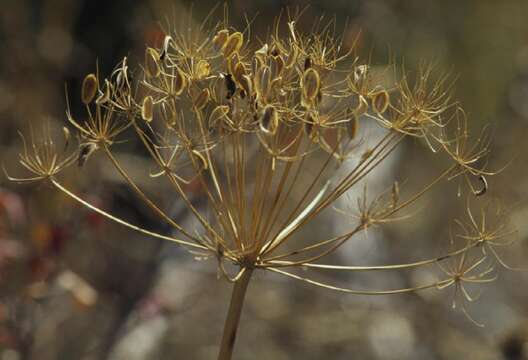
<point x="233" y="315"/>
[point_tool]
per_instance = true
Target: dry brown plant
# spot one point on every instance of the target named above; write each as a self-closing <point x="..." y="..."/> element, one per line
<point x="242" y="118"/>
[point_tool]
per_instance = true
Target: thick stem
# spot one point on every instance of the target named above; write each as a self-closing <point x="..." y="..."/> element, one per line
<point x="233" y="315"/>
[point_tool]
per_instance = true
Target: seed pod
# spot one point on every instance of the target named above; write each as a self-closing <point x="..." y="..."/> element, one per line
<point x="201" y="100"/>
<point x="180" y="82"/>
<point x="352" y="126"/>
<point x="147" y="109"/>
<point x="269" y="120"/>
<point x="230" y="85"/>
<point x="220" y="38"/>
<point x="380" y="101"/>
<point x="89" y="88"/>
<point x="246" y="84"/>
<point x="203" y="69"/>
<point x="152" y="68"/>
<point x="307" y="63"/>
<point x="165" y="49"/>
<point x="292" y="57"/>
<point x="219" y="113"/>
<point x="232" y="62"/>
<point x="310" y="85"/>
<point x="239" y="72"/>
<point x="233" y="44"/>
<point x="85" y="150"/>
<point x="484" y="188"/>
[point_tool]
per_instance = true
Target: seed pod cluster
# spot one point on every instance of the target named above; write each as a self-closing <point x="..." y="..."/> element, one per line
<point x="89" y="88"/>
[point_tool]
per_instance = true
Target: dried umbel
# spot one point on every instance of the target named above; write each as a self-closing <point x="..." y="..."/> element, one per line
<point x="244" y="122"/>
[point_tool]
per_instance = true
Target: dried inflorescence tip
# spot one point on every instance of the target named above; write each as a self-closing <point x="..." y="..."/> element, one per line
<point x="261" y="128"/>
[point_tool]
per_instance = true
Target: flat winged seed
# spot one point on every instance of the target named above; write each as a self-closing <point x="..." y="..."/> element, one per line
<point x="380" y="101"/>
<point x="233" y="44"/>
<point x="352" y="127"/>
<point x="310" y="84"/>
<point x="232" y="62"/>
<point x="238" y="72"/>
<point x="147" y="109"/>
<point x="220" y="38"/>
<point x="269" y="120"/>
<point x="246" y="84"/>
<point x="180" y="82"/>
<point x="203" y="69"/>
<point x="152" y="68"/>
<point x="89" y="88"/>
<point x="202" y="99"/>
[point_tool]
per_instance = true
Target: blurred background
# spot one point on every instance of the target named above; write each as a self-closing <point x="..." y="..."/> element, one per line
<point x="73" y="286"/>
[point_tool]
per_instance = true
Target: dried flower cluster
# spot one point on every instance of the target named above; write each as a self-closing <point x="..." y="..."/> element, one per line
<point x="243" y="119"/>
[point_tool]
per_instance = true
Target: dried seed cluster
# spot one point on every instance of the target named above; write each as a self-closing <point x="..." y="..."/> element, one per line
<point x="242" y="119"/>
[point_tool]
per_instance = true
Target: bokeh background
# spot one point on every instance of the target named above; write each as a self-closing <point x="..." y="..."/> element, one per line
<point x="73" y="286"/>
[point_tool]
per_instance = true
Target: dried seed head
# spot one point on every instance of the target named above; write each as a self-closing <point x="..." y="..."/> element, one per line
<point x="352" y="126"/>
<point x="147" y="109"/>
<point x="233" y="44"/>
<point x="201" y="100"/>
<point x="152" y="68"/>
<point x="380" y="101"/>
<point x="220" y="38"/>
<point x="89" y="88"/>
<point x="203" y="69"/>
<point x="180" y="82"/>
<point x="269" y="120"/>
<point x="310" y="85"/>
